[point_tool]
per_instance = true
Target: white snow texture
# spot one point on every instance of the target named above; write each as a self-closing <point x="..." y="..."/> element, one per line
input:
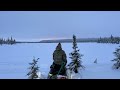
<point x="14" y="60"/>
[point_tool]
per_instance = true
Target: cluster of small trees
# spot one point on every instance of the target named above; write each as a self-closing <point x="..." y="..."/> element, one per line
<point x="7" y="41"/>
<point x="74" y="65"/>
<point x="111" y="39"/>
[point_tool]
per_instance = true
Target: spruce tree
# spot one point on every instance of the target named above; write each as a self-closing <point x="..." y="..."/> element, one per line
<point x="76" y="57"/>
<point x="11" y="38"/>
<point x="95" y="61"/>
<point x="116" y="65"/>
<point x="33" y="69"/>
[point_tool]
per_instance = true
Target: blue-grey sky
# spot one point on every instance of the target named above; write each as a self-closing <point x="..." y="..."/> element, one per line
<point x="36" y="25"/>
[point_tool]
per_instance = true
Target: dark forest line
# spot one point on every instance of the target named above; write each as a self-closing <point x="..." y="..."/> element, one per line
<point x="107" y="40"/>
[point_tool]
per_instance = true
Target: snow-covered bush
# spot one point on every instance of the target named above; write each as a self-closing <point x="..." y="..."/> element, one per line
<point x="116" y="65"/>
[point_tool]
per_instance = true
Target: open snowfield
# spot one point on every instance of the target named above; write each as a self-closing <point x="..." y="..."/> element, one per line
<point x="14" y="59"/>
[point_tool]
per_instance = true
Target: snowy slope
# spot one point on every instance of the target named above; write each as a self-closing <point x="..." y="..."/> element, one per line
<point x="14" y="59"/>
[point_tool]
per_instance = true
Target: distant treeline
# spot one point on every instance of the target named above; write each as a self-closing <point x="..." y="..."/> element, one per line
<point x="7" y="41"/>
<point x="111" y="39"/>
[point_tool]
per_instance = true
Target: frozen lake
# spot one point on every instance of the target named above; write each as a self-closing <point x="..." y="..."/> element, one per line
<point x="14" y="59"/>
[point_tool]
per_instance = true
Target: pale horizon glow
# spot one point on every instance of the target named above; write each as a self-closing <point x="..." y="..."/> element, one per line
<point x="40" y="39"/>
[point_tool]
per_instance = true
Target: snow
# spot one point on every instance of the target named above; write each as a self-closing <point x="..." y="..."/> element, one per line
<point x="14" y="59"/>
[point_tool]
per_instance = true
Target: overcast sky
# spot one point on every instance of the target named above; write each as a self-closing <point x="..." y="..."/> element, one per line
<point x="36" y="25"/>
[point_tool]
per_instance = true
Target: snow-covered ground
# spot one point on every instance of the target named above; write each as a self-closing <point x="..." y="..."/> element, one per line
<point x="14" y="59"/>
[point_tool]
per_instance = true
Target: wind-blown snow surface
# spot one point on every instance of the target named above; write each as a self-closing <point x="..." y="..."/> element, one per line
<point x="14" y="59"/>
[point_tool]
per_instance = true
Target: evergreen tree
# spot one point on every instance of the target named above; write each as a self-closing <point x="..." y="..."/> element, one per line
<point x="4" y="41"/>
<point x="8" y="41"/>
<point x="117" y="59"/>
<point x="0" y="41"/>
<point x="95" y="61"/>
<point x="11" y="38"/>
<point x="14" y="41"/>
<point x="99" y="40"/>
<point x="111" y="37"/>
<point x="33" y="69"/>
<point x="76" y="57"/>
